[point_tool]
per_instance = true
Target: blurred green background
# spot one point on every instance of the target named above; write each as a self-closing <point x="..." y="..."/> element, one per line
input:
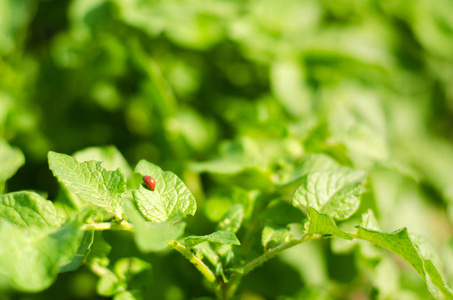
<point x="243" y="92"/>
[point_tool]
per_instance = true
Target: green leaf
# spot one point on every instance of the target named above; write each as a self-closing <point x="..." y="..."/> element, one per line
<point x="278" y="215"/>
<point x="436" y="277"/>
<point x="324" y="225"/>
<point x="11" y="159"/>
<point x="126" y="267"/>
<point x="152" y="237"/>
<point x="317" y="162"/>
<point x="400" y="243"/>
<point x="99" y="250"/>
<point x="124" y="296"/>
<point x="235" y="156"/>
<point x="220" y="237"/>
<point x="206" y="251"/>
<point x="189" y="123"/>
<point x="91" y="182"/>
<point x="130" y="276"/>
<point x="369" y="221"/>
<point x="67" y="203"/>
<point x="82" y="253"/>
<point x="110" y="157"/>
<point x="281" y="213"/>
<point x="232" y="219"/>
<point x="34" y="247"/>
<point x="386" y="277"/>
<point x="274" y="235"/>
<point x="336" y="193"/>
<point x="109" y="284"/>
<point x="288" y="80"/>
<point x="28" y="210"/>
<point x="313" y="163"/>
<point x="357" y="121"/>
<point x="169" y="198"/>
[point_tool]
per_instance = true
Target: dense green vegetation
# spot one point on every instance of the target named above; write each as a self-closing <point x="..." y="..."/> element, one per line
<point x="293" y="143"/>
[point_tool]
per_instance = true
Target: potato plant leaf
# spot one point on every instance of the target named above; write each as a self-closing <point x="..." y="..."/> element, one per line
<point x="272" y="236"/>
<point x="11" y="159"/>
<point x="28" y="210"/>
<point x="219" y="237"/>
<point x="152" y="237"/>
<point x="117" y="283"/>
<point x="402" y="244"/>
<point x="91" y="182"/>
<point x="170" y="196"/>
<point x="399" y="242"/>
<point x="335" y="193"/>
<point x="313" y="163"/>
<point x="235" y="157"/>
<point x="82" y="253"/>
<point x="34" y="247"/>
<point x="324" y="225"/>
<point x="232" y="219"/>
<point x="110" y="157"/>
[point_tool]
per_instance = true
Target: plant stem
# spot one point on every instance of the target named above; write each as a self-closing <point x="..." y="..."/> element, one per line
<point x="225" y="290"/>
<point x="268" y="254"/>
<point x="108" y="226"/>
<point x="98" y="269"/>
<point x="195" y="260"/>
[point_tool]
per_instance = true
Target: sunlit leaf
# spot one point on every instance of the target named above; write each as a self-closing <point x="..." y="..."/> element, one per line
<point x="335" y="193"/>
<point x="170" y="196"/>
<point x="91" y="182"/>
<point x="34" y="247"/>
<point x="220" y="237"/>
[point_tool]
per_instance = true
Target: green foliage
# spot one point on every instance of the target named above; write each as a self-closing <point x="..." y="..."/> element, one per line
<point x="273" y="127"/>
<point x="11" y="159"/>
<point x="169" y="198"/>
<point x="221" y="237"/>
<point x="91" y="182"/>
<point x="153" y="236"/>
<point x="35" y="244"/>
<point x="42" y="244"/>
<point x="324" y="225"/>
<point x="333" y="193"/>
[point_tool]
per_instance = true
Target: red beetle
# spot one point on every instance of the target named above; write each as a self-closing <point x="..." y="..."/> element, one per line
<point x="150" y="182"/>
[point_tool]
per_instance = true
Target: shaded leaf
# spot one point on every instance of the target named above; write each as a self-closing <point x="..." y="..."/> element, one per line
<point x="232" y="219"/>
<point x="82" y="253"/>
<point x="151" y="237"/>
<point x="11" y="159"/>
<point x="274" y="235"/>
<point x="235" y="157"/>
<point x="282" y="213"/>
<point x="129" y="266"/>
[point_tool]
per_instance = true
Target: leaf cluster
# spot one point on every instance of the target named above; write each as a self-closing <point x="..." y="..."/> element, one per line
<point x="43" y="239"/>
<point x="278" y="117"/>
